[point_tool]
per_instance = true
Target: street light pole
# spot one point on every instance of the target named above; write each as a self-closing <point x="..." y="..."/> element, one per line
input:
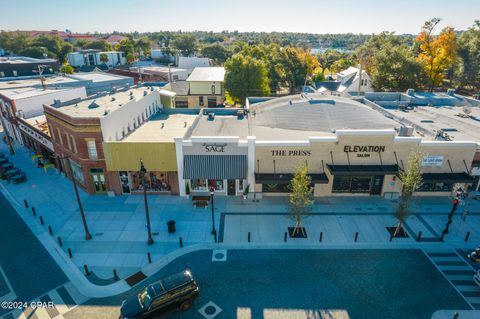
<point x="88" y="236"/>
<point x="456" y="201"/>
<point x="143" y="170"/>
<point x="214" y="231"/>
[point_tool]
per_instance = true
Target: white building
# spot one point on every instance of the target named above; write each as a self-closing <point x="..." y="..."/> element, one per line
<point x="192" y="62"/>
<point x="93" y="57"/>
<point x="348" y="81"/>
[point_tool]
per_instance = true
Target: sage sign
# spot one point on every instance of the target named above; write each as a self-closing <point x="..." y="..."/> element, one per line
<point x="215" y="148"/>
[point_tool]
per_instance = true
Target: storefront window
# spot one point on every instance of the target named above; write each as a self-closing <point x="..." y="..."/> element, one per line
<point x="198" y="184"/>
<point x="275" y="188"/>
<point x="154" y="182"/>
<point x="217" y="184"/>
<point x="77" y="171"/>
<point x="435" y="187"/>
<point x="356" y="184"/>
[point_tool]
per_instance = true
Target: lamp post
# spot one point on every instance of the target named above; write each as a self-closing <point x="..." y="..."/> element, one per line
<point x="88" y="236"/>
<point x="143" y="170"/>
<point x="214" y="231"/>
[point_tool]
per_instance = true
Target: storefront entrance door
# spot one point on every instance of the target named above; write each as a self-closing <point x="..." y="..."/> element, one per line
<point x="231" y="187"/>
<point x="376" y="185"/>
<point x="98" y="180"/>
<point x="125" y="183"/>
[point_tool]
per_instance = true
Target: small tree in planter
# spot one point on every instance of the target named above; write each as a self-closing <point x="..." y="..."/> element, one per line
<point x="411" y="179"/>
<point x="300" y="202"/>
<point x="246" y="191"/>
<point x="187" y="189"/>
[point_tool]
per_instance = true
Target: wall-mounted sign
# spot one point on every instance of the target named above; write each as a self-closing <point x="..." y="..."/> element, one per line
<point x="432" y="161"/>
<point x="291" y="153"/>
<point x="214" y="147"/>
<point x="364" y="150"/>
<point x="39" y="138"/>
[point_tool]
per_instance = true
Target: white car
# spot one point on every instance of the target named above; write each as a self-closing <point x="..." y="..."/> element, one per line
<point x="476" y="277"/>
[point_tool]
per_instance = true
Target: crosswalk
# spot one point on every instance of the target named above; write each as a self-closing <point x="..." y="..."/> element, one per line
<point x="459" y="273"/>
<point x="64" y="299"/>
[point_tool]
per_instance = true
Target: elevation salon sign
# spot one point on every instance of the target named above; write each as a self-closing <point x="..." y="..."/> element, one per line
<point x="364" y="150"/>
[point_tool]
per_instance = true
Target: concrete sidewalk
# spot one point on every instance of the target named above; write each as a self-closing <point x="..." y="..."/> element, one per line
<point x="119" y="233"/>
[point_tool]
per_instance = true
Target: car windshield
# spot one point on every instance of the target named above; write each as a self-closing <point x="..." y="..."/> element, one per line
<point x="144" y="298"/>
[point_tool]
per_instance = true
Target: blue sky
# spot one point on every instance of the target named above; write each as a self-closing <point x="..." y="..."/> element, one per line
<point x="313" y="16"/>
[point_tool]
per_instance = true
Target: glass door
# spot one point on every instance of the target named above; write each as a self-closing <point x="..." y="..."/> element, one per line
<point x="231" y="187"/>
<point x="376" y="188"/>
<point x="124" y="181"/>
<point x="98" y="179"/>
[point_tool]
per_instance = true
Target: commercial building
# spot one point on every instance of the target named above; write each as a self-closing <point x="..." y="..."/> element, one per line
<point x="24" y="67"/>
<point x="93" y="57"/>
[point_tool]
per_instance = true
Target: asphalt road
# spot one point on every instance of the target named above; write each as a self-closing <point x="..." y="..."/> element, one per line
<point x="28" y="267"/>
<point x="283" y="283"/>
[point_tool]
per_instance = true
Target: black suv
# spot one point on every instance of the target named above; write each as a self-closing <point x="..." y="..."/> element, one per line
<point x="176" y="291"/>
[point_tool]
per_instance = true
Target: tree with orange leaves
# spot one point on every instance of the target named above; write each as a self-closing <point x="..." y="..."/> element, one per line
<point x="437" y="52"/>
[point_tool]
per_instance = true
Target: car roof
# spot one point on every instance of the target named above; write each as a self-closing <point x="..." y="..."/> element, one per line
<point x="170" y="282"/>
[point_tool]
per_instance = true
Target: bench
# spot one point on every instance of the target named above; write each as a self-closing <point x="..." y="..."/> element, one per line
<point x="200" y="201"/>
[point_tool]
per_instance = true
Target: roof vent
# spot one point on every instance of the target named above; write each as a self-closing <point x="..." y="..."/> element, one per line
<point x="451" y="92"/>
<point x="131" y="97"/>
<point x="163" y="125"/>
<point x="106" y="112"/>
<point x="113" y="98"/>
<point x="240" y="115"/>
<point x="131" y="93"/>
<point x="151" y="89"/>
<point x="145" y="93"/>
<point x="290" y="102"/>
<point x="93" y="105"/>
<point x="411" y="92"/>
<point x="211" y="116"/>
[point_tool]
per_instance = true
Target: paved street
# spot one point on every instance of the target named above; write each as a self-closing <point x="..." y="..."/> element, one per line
<point x="28" y="269"/>
<point x="308" y="284"/>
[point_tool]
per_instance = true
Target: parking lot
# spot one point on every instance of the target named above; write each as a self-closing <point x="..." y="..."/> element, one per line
<point x="313" y="284"/>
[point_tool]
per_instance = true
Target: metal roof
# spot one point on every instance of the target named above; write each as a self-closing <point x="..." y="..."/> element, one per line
<point x="204" y="74"/>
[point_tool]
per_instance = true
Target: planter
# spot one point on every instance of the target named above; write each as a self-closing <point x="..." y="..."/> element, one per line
<point x="300" y="233"/>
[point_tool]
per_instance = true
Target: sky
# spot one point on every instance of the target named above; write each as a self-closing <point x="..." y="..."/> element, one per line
<point x="312" y="16"/>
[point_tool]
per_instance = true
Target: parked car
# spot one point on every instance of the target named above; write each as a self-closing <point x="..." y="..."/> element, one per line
<point x="475" y="255"/>
<point x="476" y="278"/>
<point x="174" y="292"/>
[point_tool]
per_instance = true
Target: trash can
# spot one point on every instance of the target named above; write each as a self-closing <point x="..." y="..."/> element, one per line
<point x="171" y="226"/>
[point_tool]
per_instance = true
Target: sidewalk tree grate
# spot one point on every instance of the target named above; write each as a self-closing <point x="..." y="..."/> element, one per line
<point x="135" y="278"/>
<point x="401" y="233"/>
<point x="219" y="255"/>
<point x="210" y="310"/>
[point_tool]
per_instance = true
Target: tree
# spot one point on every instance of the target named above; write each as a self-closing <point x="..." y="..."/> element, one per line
<point x="144" y="45"/>
<point x="300" y="202"/>
<point x="130" y="58"/>
<point x="340" y="65"/>
<point x="81" y="43"/>
<point x="126" y="46"/>
<point x="328" y="58"/>
<point x="411" y="179"/>
<point x="101" y="45"/>
<point x="437" y="53"/>
<point x="395" y="69"/>
<point x="245" y="77"/>
<point x="66" y="68"/>
<point x="217" y="53"/>
<point x="64" y="51"/>
<point x="34" y="52"/>
<point x="186" y="44"/>
<point x="467" y="70"/>
<point x="104" y="58"/>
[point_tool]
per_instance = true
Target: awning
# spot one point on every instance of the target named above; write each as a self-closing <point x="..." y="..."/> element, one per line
<point x="215" y="167"/>
<point x="285" y="178"/>
<point x="363" y="169"/>
<point x="447" y="177"/>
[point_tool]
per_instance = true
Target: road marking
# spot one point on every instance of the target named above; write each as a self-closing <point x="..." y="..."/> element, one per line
<point x="11" y="295"/>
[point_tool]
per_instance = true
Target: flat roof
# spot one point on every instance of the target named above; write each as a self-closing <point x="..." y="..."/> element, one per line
<point x="181" y="88"/>
<point x="50" y="80"/>
<point x="98" y="106"/>
<point x="28" y="92"/>
<point x="210" y="74"/>
<point x="162" y="128"/>
<point x="298" y="117"/>
<point x="24" y="59"/>
<point x="221" y="125"/>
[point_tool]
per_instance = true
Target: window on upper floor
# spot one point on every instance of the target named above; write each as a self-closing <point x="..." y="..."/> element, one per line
<point x="15" y="73"/>
<point x="213" y="89"/>
<point x="92" y="149"/>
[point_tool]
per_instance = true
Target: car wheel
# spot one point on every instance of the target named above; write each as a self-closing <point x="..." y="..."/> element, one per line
<point x="186" y="305"/>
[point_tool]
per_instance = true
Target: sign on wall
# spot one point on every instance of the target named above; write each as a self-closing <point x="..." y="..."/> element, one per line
<point x="432" y="161"/>
<point x="291" y="153"/>
<point x="364" y="150"/>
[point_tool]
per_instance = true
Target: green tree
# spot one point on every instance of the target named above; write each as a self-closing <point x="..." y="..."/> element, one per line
<point x="53" y="44"/>
<point x="126" y="46"/>
<point x="340" y="65"/>
<point x="411" y="179"/>
<point x="300" y="202"/>
<point x="217" y="53"/>
<point x="130" y="58"/>
<point x="104" y="58"/>
<point x="81" y="43"/>
<point x="395" y="68"/>
<point x="467" y="70"/>
<point x="245" y="77"/>
<point x="186" y="44"/>
<point x="35" y="52"/>
<point x="327" y="58"/>
<point x="143" y="45"/>
<point x="101" y="45"/>
<point x="67" y="69"/>
<point x="64" y="51"/>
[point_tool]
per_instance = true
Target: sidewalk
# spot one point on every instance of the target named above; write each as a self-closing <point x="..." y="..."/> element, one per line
<point x="117" y="224"/>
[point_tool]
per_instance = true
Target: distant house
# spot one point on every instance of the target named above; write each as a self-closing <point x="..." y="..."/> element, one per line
<point x="347" y="82"/>
<point x="65" y="36"/>
<point x="115" y="39"/>
<point x="203" y="88"/>
<point x="91" y="57"/>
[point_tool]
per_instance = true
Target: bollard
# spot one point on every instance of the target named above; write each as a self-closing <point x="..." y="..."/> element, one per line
<point x="215" y="236"/>
<point x="391" y="237"/>
<point x="285" y="237"/>
<point x="149" y="256"/>
<point x="50" y="230"/>
<point x="115" y="276"/>
<point x="181" y="242"/>
<point x="60" y="241"/>
<point x="25" y="202"/>
<point x="34" y="212"/>
<point x="467" y="236"/>
<point x="419" y="237"/>
<point x="41" y="220"/>
<point x="70" y="253"/>
<point x="321" y="236"/>
<point x="248" y="236"/>
<point x="86" y="270"/>
<point x="356" y="236"/>
<point x="456" y="315"/>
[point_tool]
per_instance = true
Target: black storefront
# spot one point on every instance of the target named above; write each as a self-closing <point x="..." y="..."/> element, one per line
<point x="279" y="182"/>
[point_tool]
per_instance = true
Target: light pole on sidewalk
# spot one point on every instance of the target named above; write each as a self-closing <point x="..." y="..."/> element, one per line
<point x="88" y="236"/>
<point x="212" y="195"/>
<point x="456" y="201"/>
<point x="143" y="171"/>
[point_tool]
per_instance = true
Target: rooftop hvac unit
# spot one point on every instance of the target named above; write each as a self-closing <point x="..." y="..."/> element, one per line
<point x="411" y="92"/>
<point x="405" y="131"/>
<point x="240" y="115"/>
<point x="211" y="116"/>
<point x="451" y="92"/>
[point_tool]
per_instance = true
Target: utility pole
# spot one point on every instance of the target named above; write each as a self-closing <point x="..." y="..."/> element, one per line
<point x="143" y="171"/>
